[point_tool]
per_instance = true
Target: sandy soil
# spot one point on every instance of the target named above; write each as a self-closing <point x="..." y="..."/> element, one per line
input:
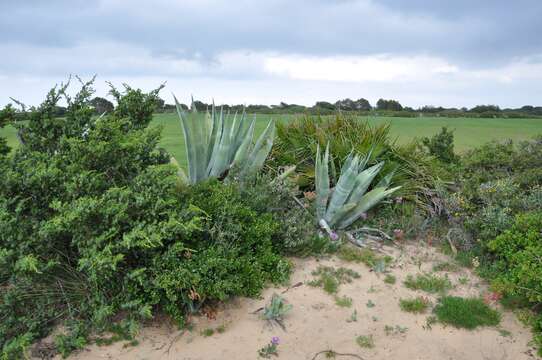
<point x="316" y="323"/>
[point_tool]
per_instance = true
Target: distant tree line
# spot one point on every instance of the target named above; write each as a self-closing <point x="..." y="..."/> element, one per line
<point x="383" y="107"/>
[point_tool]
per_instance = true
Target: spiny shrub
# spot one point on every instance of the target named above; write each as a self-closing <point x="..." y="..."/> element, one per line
<point x="465" y="313"/>
<point x="297" y="142"/>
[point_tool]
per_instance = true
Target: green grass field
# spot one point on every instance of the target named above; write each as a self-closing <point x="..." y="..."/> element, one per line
<point x="469" y="132"/>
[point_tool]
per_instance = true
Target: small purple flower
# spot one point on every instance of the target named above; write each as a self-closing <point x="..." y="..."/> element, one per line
<point x="275" y="340"/>
<point x="334" y="236"/>
<point x="363" y="216"/>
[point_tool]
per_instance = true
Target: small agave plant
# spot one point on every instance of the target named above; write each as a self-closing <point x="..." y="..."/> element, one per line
<point x="339" y="207"/>
<point x="217" y="142"/>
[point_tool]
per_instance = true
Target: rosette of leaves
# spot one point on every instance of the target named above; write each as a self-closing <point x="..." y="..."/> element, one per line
<point x="350" y="199"/>
<point x="217" y="142"/>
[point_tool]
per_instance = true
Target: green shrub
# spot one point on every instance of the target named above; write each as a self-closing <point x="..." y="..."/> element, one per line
<point x="465" y="313"/>
<point x="518" y="252"/>
<point x="95" y="227"/>
<point x="441" y="146"/>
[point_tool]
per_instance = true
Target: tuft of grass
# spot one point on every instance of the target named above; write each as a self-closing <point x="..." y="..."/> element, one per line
<point x="446" y="266"/>
<point x="365" y="256"/>
<point x="353" y="317"/>
<point x="417" y="305"/>
<point x="344" y="301"/>
<point x="370" y="304"/>
<point x="208" y="332"/>
<point x="390" y="279"/>
<point x="221" y="329"/>
<point x="391" y="330"/>
<point x="463" y="280"/>
<point x="428" y="283"/>
<point x="365" y="341"/>
<point x="504" y="333"/>
<point x="330" y="278"/>
<point x="467" y="313"/>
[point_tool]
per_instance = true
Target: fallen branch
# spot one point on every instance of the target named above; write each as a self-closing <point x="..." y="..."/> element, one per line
<point x="293" y="287"/>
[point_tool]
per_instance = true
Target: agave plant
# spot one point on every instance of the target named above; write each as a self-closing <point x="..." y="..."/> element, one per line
<point x="339" y="207"/>
<point x="217" y="142"/>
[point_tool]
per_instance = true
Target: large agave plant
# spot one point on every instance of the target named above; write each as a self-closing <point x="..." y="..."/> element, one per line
<point x="216" y="142"/>
<point x="339" y="207"/>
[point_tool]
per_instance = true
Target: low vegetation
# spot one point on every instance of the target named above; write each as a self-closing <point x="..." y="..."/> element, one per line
<point x="100" y="230"/>
<point x="465" y="313"/>
<point x="330" y="278"/>
<point x="428" y="283"/>
<point x="365" y="341"/>
<point x="417" y="305"/>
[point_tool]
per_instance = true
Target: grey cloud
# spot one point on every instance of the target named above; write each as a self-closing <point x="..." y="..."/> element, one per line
<point x="471" y="32"/>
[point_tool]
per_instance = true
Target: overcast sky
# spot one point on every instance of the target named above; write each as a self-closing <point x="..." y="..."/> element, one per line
<point x="420" y="52"/>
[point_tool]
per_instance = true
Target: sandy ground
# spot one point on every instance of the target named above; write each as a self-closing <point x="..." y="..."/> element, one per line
<point x="316" y="323"/>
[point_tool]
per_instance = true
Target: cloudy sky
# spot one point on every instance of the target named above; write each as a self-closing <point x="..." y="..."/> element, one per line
<point x="442" y="53"/>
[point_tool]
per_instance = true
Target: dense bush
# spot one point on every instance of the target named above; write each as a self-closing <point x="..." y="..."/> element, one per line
<point x="298" y="140"/>
<point x="441" y="146"/>
<point x="97" y="233"/>
<point x="498" y="203"/>
<point x="518" y="252"/>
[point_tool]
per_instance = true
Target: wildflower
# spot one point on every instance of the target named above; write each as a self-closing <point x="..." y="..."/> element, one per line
<point x="334" y="236"/>
<point x="275" y="340"/>
<point x="475" y="262"/>
<point x="398" y="234"/>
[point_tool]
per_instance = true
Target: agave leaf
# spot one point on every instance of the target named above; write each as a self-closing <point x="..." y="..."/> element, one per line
<point x="261" y="149"/>
<point x="214" y="128"/>
<point x="213" y="158"/>
<point x="343" y="211"/>
<point x="363" y="181"/>
<point x="333" y="171"/>
<point x="222" y="154"/>
<point x="190" y="137"/>
<point x="343" y="189"/>
<point x="368" y="200"/>
<point x="386" y="180"/>
<point x="243" y="151"/>
<point x="321" y="182"/>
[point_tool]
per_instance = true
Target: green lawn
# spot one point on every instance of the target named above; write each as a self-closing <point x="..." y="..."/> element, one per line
<point x="468" y="132"/>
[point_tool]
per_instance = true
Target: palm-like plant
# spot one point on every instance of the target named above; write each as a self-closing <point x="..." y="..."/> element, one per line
<point x="217" y="142"/>
<point x="339" y="207"/>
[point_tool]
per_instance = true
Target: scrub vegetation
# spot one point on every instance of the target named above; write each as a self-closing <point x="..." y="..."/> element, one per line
<point x="110" y="219"/>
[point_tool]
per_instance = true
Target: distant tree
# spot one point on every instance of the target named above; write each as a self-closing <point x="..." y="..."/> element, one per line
<point x="101" y="105"/>
<point x="345" y="105"/>
<point x="160" y="105"/>
<point x="324" y="105"/>
<point x="389" y="105"/>
<point x="201" y="106"/>
<point x="362" y="104"/>
<point x="485" y="108"/>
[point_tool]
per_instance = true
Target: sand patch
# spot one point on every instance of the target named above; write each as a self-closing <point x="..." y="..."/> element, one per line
<point x="317" y="323"/>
